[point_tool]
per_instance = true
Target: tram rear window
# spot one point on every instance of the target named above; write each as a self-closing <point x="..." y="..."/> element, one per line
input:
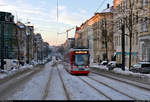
<point x="81" y="60"/>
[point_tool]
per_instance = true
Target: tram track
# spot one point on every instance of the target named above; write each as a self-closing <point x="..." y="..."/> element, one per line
<point x="46" y="91"/>
<point x="135" y="84"/>
<point x="112" y="88"/>
<point x="100" y="92"/>
<point x="65" y="89"/>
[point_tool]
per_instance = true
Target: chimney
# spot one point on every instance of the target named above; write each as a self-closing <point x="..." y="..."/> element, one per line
<point x="107" y="5"/>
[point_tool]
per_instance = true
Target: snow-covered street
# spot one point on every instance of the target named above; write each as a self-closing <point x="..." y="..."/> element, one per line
<point x="53" y="82"/>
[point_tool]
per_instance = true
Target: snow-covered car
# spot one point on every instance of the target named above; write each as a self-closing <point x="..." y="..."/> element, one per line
<point x="104" y="63"/>
<point x="141" y="67"/>
<point x="33" y="62"/>
<point x="111" y="65"/>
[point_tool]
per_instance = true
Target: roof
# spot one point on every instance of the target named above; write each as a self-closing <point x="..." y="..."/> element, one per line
<point x="107" y="10"/>
<point x="78" y="49"/>
<point x="21" y="26"/>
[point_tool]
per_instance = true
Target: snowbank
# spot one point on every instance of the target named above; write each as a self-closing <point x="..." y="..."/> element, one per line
<point x="120" y="71"/>
<point x="6" y="73"/>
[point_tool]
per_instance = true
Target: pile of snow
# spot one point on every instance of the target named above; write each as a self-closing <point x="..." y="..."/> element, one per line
<point x="5" y="73"/>
<point x="120" y="71"/>
<point x="130" y="73"/>
<point x="95" y="65"/>
<point x="19" y="68"/>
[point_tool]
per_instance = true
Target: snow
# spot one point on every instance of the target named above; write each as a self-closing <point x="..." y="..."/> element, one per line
<point x="132" y="91"/>
<point x="6" y="73"/>
<point x="120" y="71"/>
<point x="33" y="89"/>
<point x="56" y="87"/>
<point x="79" y="90"/>
<point x="108" y="91"/>
<point x="47" y="85"/>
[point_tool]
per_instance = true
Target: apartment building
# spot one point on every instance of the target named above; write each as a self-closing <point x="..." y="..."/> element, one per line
<point x="136" y="28"/>
<point x="90" y="35"/>
<point x="144" y="29"/>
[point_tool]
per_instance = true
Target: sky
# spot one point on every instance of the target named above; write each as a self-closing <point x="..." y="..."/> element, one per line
<point x="43" y="15"/>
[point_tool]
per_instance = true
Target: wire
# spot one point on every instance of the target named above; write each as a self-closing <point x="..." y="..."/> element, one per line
<point x="57" y="11"/>
<point x="57" y="23"/>
<point x="100" y="5"/>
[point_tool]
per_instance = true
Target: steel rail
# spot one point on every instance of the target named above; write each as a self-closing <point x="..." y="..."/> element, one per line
<point x="140" y="85"/>
<point x="112" y="88"/>
<point x="46" y="91"/>
<point x="65" y="89"/>
<point x="100" y="92"/>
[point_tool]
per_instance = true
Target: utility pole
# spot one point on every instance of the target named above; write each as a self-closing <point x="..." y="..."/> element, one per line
<point x="123" y="46"/>
<point x="2" y="44"/>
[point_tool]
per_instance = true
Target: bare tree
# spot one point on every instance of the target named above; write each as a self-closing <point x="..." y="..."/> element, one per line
<point x="127" y="16"/>
<point x="106" y="24"/>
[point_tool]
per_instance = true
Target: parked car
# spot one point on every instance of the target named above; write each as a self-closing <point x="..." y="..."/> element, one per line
<point x="118" y="65"/>
<point x="104" y="63"/>
<point x="141" y="67"/>
<point x="11" y="63"/>
<point x="111" y="65"/>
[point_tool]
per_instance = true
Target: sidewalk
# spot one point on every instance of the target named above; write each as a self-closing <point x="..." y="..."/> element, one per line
<point x="6" y="73"/>
<point x="120" y="71"/>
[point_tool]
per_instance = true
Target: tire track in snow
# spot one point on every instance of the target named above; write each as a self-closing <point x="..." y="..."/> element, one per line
<point x="16" y="81"/>
<point x="47" y="85"/>
<point x="65" y="89"/>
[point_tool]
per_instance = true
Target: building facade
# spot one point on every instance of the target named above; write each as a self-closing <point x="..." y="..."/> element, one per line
<point x="136" y="28"/>
<point x="9" y="35"/>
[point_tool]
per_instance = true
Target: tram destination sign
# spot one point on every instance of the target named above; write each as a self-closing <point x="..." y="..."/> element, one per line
<point x="81" y="52"/>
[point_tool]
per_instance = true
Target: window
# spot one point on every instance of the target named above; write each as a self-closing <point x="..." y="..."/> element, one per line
<point x="136" y="38"/>
<point x="141" y="3"/>
<point x="145" y="24"/>
<point x="146" y="3"/>
<point x="141" y="25"/>
<point x="103" y="44"/>
<point x="137" y="17"/>
<point x="127" y="40"/>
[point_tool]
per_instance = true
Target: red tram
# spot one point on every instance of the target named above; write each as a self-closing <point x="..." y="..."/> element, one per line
<point x="78" y="61"/>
